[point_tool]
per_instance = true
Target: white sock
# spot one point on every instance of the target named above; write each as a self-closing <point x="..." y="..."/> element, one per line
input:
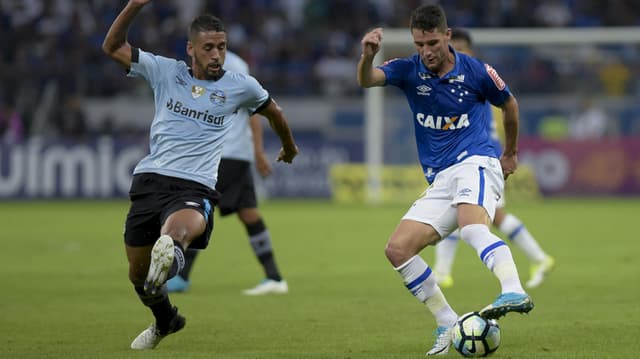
<point x="421" y="283"/>
<point x="516" y="231"/>
<point x="446" y="253"/>
<point x="495" y="254"/>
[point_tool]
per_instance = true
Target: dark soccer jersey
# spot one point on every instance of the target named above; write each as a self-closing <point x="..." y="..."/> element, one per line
<point x="450" y="113"/>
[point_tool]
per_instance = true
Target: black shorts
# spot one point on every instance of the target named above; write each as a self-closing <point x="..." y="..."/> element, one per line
<point x="235" y="184"/>
<point x="154" y="197"/>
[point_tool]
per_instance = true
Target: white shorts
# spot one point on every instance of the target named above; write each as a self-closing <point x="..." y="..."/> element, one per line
<point x="476" y="180"/>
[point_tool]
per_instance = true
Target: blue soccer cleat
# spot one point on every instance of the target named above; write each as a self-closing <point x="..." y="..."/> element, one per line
<point x="443" y="341"/>
<point x="507" y="302"/>
<point x="178" y="284"/>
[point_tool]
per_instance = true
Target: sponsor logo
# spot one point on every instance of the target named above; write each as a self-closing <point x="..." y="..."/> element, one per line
<point x="465" y="192"/>
<point x="197" y="91"/>
<point x="443" y="122"/>
<point x="178" y="107"/>
<point x="218" y="97"/>
<point x="459" y="78"/>
<point x="495" y="77"/>
<point x="423" y="90"/>
<point x="192" y="204"/>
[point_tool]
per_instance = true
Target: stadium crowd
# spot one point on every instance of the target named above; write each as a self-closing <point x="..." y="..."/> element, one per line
<point x="295" y="47"/>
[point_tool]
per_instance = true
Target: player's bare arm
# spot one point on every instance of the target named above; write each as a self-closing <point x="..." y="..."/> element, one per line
<point x="369" y="76"/>
<point x="115" y="43"/>
<point x="509" y="159"/>
<point x="262" y="162"/>
<point x="278" y="123"/>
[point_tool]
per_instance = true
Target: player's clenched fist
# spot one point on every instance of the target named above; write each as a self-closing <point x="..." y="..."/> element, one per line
<point x="371" y="42"/>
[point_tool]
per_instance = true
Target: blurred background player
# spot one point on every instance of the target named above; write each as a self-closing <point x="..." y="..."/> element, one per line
<point x="173" y="188"/>
<point x="243" y="146"/>
<point x="508" y="224"/>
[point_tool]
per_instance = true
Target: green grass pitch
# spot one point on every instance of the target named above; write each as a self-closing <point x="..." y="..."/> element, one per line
<point x="64" y="291"/>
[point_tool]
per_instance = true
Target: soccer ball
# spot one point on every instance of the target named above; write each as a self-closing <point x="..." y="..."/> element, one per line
<point x="474" y="336"/>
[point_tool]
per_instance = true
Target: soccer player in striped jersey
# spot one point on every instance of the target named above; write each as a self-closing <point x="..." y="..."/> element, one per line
<point x="173" y="188"/>
<point x="446" y="92"/>
<point x="242" y="148"/>
<point x="508" y="224"/>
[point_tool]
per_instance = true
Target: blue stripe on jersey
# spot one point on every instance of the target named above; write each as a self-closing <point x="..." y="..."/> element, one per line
<point x="481" y="194"/>
<point x="516" y="231"/>
<point x="490" y="248"/>
<point x="420" y="279"/>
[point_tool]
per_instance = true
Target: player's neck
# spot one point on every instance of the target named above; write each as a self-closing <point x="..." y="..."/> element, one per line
<point x="448" y="65"/>
<point x="202" y="76"/>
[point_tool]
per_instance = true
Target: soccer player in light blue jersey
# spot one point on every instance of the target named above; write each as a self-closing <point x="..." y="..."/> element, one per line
<point x="242" y="148"/>
<point x="173" y="189"/>
<point x="508" y="224"/>
<point x="446" y="92"/>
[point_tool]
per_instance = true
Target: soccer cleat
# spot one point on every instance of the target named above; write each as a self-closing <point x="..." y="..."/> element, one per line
<point x="443" y="341"/>
<point x="444" y="280"/>
<point x="268" y="286"/>
<point x="161" y="260"/>
<point x="505" y="303"/>
<point x="150" y="337"/>
<point x="178" y="284"/>
<point x="539" y="271"/>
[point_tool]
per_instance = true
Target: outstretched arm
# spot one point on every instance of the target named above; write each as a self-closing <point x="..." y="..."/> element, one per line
<point x="262" y="163"/>
<point x="369" y="76"/>
<point x="279" y="124"/>
<point x="509" y="159"/>
<point x="115" y="43"/>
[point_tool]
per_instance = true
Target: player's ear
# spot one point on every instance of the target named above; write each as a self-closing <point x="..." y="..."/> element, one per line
<point x="190" y="48"/>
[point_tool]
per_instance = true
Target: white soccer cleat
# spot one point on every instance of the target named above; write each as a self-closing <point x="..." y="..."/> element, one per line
<point x="268" y="286"/>
<point x="161" y="260"/>
<point x="150" y="337"/>
<point x="443" y="341"/>
<point x="539" y="271"/>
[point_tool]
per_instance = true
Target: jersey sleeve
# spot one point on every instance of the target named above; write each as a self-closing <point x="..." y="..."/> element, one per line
<point x="395" y="70"/>
<point x="256" y="94"/>
<point x="151" y="67"/>
<point x="495" y="89"/>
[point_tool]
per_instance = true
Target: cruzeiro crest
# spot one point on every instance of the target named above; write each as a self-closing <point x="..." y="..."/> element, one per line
<point x="218" y="97"/>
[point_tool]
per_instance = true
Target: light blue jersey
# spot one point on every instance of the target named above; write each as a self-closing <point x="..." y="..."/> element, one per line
<point x="239" y="143"/>
<point x="451" y="114"/>
<point x="192" y="117"/>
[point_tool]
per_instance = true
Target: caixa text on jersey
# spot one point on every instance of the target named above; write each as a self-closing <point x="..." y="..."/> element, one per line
<point x="443" y="122"/>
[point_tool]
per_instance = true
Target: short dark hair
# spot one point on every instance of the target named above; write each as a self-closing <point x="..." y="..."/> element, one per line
<point x="461" y="34"/>
<point x="429" y="18"/>
<point x="206" y="22"/>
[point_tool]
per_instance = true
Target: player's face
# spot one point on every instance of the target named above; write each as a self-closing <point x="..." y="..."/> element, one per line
<point x="432" y="47"/>
<point x="461" y="46"/>
<point x="207" y="50"/>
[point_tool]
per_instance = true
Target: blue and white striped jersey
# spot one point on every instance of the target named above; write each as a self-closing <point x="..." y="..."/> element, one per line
<point x="451" y="114"/>
<point x="192" y="117"/>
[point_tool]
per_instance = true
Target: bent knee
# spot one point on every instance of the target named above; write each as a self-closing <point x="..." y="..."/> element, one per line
<point x="397" y="252"/>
